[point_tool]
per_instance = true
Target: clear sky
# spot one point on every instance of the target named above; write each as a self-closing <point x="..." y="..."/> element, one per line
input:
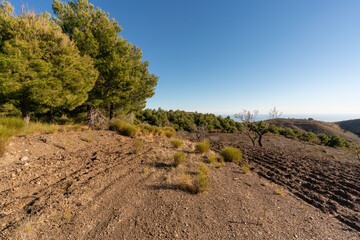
<point x="221" y="56"/>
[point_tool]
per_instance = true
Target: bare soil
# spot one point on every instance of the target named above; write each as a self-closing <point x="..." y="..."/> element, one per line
<point x="97" y="185"/>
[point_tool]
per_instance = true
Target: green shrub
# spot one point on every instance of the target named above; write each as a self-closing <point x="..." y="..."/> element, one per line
<point x="16" y="125"/>
<point x="202" y="181"/>
<point x="123" y="128"/>
<point x="179" y="158"/>
<point x="288" y="132"/>
<point x="203" y="147"/>
<point x="273" y="129"/>
<point x="336" y="141"/>
<point x="306" y="136"/>
<point x="176" y="143"/>
<point x="231" y="154"/>
<point x="323" y="138"/>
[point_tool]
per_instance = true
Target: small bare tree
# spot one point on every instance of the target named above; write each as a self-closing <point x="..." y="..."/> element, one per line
<point x="247" y="118"/>
<point x="201" y="132"/>
<point x="273" y="114"/>
<point x="254" y="130"/>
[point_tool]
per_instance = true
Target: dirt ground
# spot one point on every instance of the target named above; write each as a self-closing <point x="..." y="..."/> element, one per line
<point x="98" y="185"/>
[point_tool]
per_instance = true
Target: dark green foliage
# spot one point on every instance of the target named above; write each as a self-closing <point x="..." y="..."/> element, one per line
<point x="187" y="121"/>
<point x="336" y="141"/>
<point x="273" y="129"/>
<point x="41" y="70"/>
<point x="124" y="82"/>
<point x="288" y="132"/>
<point x="306" y="136"/>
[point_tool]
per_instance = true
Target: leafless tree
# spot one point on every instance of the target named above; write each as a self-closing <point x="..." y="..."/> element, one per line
<point x="201" y="132"/>
<point x="274" y="114"/>
<point x="247" y="118"/>
<point x="254" y="130"/>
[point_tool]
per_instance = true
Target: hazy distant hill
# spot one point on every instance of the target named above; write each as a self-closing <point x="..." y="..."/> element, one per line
<point x="351" y="125"/>
<point x="322" y="127"/>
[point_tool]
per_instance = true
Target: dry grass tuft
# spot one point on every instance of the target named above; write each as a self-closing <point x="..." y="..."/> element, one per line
<point x="279" y="190"/>
<point x="203" y="147"/>
<point x="179" y="158"/>
<point x="201" y="183"/>
<point x="138" y="146"/>
<point x="246" y="168"/>
<point x="176" y="143"/>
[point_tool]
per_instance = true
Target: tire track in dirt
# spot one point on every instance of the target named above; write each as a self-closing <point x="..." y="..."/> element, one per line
<point x="38" y="200"/>
<point x="329" y="185"/>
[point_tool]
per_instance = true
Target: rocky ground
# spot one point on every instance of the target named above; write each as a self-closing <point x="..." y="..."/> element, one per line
<point x="99" y="185"/>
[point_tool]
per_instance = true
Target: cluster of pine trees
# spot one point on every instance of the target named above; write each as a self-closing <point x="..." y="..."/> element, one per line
<point x="188" y="121"/>
<point x="69" y="65"/>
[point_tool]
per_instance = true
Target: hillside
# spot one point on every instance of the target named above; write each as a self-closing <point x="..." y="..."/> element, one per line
<point x="318" y="127"/>
<point x="100" y="185"/>
<point x="351" y="126"/>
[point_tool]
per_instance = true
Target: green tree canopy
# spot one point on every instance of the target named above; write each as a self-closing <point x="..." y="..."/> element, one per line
<point x="124" y="81"/>
<point x="40" y="67"/>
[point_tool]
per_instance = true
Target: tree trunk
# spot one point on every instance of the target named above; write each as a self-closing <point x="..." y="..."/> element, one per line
<point x="52" y="116"/>
<point x="111" y="111"/>
<point x="259" y="140"/>
<point x="90" y="116"/>
<point x="25" y="111"/>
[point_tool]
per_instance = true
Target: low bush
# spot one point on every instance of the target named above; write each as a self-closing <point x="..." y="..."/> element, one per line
<point x="179" y="158"/>
<point x="138" y="146"/>
<point x="123" y="128"/>
<point x="203" y="147"/>
<point x="16" y="125"/>
<point x="202" y="181"/>
<point x="273" y="129"/>
<point x="287" y="132"/>
<point x="176" y="143"/>
<point x="231" y="154"/>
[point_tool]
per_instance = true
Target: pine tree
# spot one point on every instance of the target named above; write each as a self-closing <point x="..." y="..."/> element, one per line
<point x="124" y="82"/>
<point x="41" y="70"/>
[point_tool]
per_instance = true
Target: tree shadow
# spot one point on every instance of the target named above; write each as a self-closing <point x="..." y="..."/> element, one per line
<point x="161" y="165"/>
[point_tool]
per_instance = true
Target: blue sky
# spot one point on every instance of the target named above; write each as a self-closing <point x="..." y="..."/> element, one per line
<point x="302" y="57"/>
